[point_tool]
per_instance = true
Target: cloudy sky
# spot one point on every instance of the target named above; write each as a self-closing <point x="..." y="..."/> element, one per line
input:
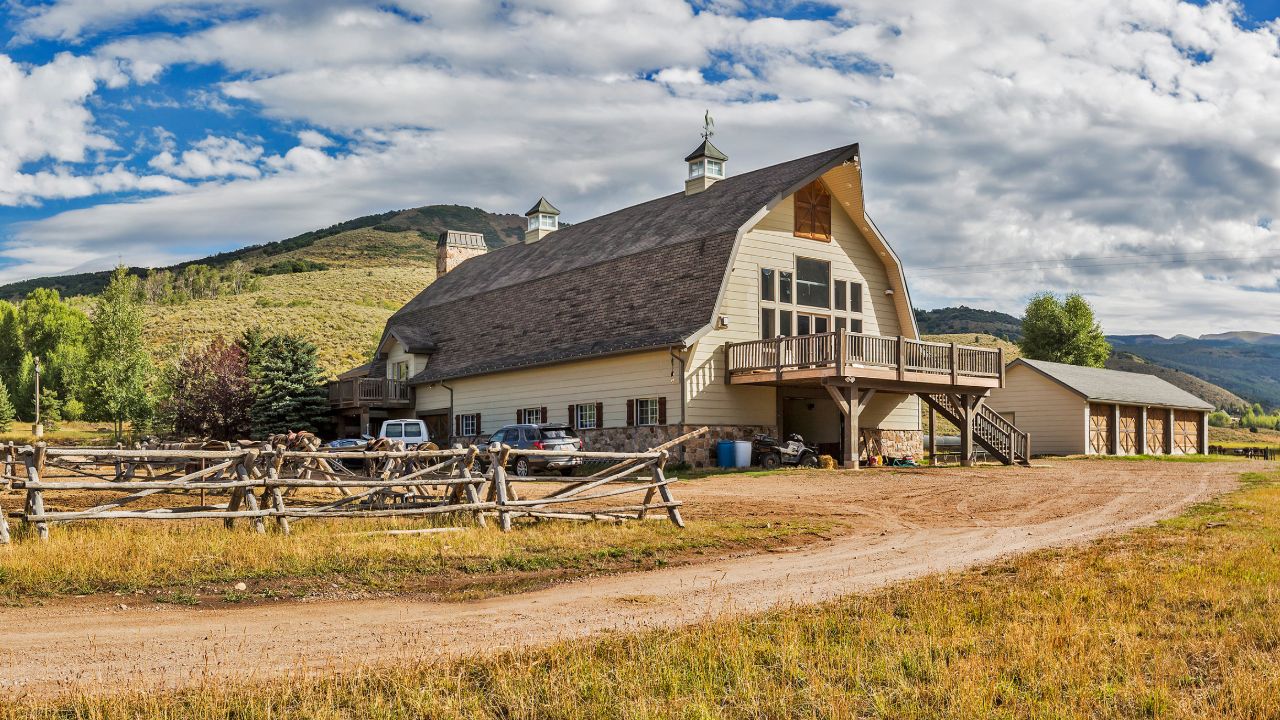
<point x="1125" y="149"/>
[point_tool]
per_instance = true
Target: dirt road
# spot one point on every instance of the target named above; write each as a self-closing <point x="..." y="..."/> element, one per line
<point x="900" y="525"/>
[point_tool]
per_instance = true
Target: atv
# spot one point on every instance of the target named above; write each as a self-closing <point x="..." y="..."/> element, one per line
<point x="769" y="454"/>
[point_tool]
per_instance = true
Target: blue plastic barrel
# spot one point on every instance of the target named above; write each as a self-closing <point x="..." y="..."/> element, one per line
<point x="725" y="454"/>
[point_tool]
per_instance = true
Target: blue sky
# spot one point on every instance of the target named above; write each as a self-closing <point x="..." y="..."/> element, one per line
<point x="1124" y="149"/>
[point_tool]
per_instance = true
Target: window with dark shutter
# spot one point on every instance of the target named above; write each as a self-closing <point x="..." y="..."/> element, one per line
<point x="519" y="417"/>
<point x="631" y="413"/>
<point x="573" y="416"/>
<point x="599" y="414"/>
<point x="457" y="425"/>
<point x="662" y="410"/>
<point x="479" y="427"/>
<point x="813" y="212"/>
<point x="542" y="415"/>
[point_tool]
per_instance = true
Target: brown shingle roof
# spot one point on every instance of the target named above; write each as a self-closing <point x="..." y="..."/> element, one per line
<point x="639" y="278"/>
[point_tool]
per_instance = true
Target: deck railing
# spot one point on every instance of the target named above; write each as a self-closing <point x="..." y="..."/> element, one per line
<point x="368" y="391"/>
<point x="864" y="350"/>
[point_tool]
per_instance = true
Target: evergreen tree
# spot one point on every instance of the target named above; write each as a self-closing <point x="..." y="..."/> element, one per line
<point x="11" y="348"/>
<point x="289" y="387"/>
<point x="24" y="388"/>
<point x="1063" y="331"/>
<point x="121" y="370"/>
<point x="7" y="412"/>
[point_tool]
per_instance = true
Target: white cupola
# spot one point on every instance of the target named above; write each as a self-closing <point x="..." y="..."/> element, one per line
<point x="543" y="218"/>
<point x="706" y="162"/>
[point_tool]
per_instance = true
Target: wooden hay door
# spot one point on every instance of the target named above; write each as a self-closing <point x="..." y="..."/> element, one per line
<point x="1156" y="422"/>
<point x="1100" y="429"/>
<point x="1130" y="419"/>
<point x="1186" y="431"/>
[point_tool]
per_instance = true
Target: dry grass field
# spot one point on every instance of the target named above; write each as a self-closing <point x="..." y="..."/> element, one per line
<point x="1240" y="437"/>
<point x="1167" y="622"/>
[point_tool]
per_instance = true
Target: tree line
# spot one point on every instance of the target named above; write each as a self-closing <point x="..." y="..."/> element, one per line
<point x="94" y="365"/>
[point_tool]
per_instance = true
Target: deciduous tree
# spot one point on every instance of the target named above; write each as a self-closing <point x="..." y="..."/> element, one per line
<point x="210" y="393"/>
<point x="121" y="369"/>
<point x="1063" y="331"/>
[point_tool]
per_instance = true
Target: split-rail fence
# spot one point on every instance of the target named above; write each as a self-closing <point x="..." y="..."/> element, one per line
<point x="263" y="483"/>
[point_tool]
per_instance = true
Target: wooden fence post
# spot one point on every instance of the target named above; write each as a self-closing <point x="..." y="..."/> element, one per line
<point x="664" y="492"/>
<point x="277" y="495"/>
<point x="35" y="499"/>
<point x="500" y="488"/>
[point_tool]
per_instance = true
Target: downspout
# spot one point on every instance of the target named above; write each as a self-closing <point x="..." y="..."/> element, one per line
<point x="675" y="356"/>
<point x="445" y="385"/>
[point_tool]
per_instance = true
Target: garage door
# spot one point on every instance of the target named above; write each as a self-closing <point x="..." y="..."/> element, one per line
<point x="1100" y="429"/>
<point x="1186" y="431"/>
<point x="1130" y="419"/>
<point x="1157" y="421"/>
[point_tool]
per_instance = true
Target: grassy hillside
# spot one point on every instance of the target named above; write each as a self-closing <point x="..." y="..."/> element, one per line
<point x="1250" y="370"/>
<point x="387" y="238"/>
<point x="961" y="320"/>
<point x="341" y="310"/>
<point x="1011" y="350"/>
<point x="1220" y="397"/>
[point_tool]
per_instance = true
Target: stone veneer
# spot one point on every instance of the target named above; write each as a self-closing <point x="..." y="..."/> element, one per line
<point x="899" y="443"/>
<point x="698" y="452"/>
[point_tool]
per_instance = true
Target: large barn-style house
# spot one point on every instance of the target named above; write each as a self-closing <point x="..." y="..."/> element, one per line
<point x="761" y="302"/>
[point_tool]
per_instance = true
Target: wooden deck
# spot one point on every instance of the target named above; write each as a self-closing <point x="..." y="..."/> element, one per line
<point x="866" y="359"/>
<point x="369" y="392"/>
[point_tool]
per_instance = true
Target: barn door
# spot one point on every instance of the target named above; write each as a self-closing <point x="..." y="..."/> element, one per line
<point x="1130" y="419"/>
<point x="1186" y="431"/>
<point x="1100" y="429"/>
<point x="1157" y="419"/>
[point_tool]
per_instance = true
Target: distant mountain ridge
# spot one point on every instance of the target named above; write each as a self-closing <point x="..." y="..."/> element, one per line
<point x="964" y="320"/>
<point x="369" y="236"/>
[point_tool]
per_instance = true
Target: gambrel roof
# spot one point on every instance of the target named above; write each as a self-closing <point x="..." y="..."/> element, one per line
<point x="640" y="278"/>
<point x="1116" y="386"/>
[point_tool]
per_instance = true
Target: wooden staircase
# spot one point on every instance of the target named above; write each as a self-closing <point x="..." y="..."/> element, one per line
<point x="992" y="431"/>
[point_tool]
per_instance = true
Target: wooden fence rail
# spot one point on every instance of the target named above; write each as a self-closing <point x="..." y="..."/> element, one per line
<point x="260" y="483"/>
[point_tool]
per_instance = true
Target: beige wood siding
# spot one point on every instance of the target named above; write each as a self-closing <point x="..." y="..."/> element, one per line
<point x="772" y="244"/>
<point x="397" y="354"/>
<point x="611" y="380"/>
<point x="1053" y="415"/>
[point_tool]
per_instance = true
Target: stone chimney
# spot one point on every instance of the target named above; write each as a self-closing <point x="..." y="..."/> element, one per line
<point x="706" y="166"/>
<point x="456" y="246"/>
<point x="544" y="218"/>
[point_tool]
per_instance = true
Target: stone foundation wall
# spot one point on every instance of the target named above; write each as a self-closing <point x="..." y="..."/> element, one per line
<point x="698" y="452"/>
<point x="897" y="443"/>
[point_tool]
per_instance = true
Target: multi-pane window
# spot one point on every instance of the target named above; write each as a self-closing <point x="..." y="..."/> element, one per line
<point x="839" y="289"/>
<point x="768" y="284"/>
<point x="695" y="169"/>
<point x="807" y="324"/>
<point x="585" y="416"/>
<point x="813" y="282"/>
<point x="400" y="370"/>
<point x="531" y="415"/>
<point x="468" y="425"/>
<point x="647" y="411"/>
<point x="715" y="168"/>
<point x="784" y="322"/>
<point x="767" y="329"/>
<point x="784" y="286"/>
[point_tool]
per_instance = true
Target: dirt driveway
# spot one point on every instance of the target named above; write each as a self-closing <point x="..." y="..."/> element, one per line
<point x="901" y="524"/>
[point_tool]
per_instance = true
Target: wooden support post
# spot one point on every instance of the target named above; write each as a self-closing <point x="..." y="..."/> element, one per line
<point x="966" y="430"/>
<point x="1142" y="431"/>
<point x="1000" y="360"/>
<point x="849" y="443"/>
<point x="1168" y="431"/>
<point x="664" y="491"/>
<point x="902" y="358"/>
<point x="933" y="436"/>
<point x="35" y="499"/>
<point x="1114" y="440"/>
<point x="955" y="365"/>
<point x="500" y="488"/>
<point x="4" y="527"/>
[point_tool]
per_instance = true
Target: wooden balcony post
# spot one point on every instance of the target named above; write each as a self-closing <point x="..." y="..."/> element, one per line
<point x="966" y="430"/>
<point x="849" y="443"/>
<point x="902" y="358"/>
<point x="842" y="355"/>
<point x="955" y="364"/>
<point x="933" y="437"/>
<point x="1000" y="359"/>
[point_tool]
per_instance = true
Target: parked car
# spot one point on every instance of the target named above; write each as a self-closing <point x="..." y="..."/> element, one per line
<point x="412" y="432"/>
<point x="541" y="436"/>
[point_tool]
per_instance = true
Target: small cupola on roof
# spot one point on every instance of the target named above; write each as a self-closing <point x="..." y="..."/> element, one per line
<point x="544" y="218"/>
<point x="706" y="162"/>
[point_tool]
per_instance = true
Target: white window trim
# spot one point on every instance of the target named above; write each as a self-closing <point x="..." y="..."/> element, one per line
<point x="467" y="425"/>
<point x="640" y="415"/>
<point x="537" y="412"/>
<point x="578" y="421"/>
